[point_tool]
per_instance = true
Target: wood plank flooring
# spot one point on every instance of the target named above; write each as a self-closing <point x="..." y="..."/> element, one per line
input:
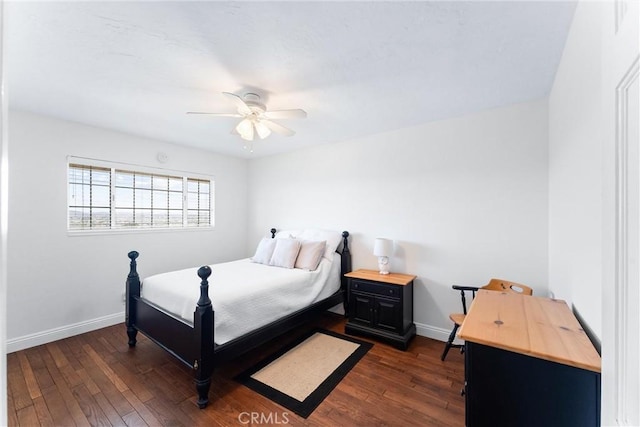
<point x="95" y="379"/>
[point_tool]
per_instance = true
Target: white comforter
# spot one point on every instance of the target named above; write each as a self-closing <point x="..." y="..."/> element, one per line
<point x="245" y="295"/>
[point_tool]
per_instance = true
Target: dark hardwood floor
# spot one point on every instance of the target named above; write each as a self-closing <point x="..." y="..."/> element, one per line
<point x="95" y="379"/>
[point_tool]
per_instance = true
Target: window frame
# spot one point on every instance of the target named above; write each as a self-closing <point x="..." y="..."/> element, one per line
<point x="146" y="170"/>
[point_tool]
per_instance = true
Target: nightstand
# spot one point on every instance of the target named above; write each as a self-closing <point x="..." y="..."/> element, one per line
<point x="381" y="306"/>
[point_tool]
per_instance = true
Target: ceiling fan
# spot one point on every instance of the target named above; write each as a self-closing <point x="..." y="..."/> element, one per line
<point x="255" y="117"/>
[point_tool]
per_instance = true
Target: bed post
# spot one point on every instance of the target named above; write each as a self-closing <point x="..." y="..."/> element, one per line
<point x="273" y="233"/>
<point x="132" y="292"/>
<point x="203" y="328"/>
<point x="345" y="258"/>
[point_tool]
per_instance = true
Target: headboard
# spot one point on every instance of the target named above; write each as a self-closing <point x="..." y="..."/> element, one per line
<point x="345" y="257"/>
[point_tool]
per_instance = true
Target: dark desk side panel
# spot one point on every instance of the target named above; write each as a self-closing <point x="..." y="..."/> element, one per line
<point x="511" y="389"/>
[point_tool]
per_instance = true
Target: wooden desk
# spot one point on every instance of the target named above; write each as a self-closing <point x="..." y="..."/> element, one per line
<point x="528" y="363"/>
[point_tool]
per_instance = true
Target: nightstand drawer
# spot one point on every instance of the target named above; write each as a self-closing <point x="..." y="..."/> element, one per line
<point x="375" y="288"/>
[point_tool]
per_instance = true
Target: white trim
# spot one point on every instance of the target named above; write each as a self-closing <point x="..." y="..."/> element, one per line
<point x="50" y="335"/>
<point x="627" y="177"/>
<point x="39" y="338"/>
<point x="423" y="330"/>
<point x="138" y="168"/>
<point x="435" y="333"/>
<point x="620" y="7"/>
<point x="112" y="231"/>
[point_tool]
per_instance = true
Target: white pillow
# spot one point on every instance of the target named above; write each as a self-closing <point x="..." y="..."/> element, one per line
<point x="311" y="252"/>
<point x="285" y="253"/>
<point x="333" y="239"/>
<point x="264" y="251"/>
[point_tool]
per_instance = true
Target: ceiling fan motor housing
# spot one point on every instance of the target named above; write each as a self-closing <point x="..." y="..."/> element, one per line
<point x="253" y="102"/>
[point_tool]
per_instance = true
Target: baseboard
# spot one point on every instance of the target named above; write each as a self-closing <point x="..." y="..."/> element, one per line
<point x="39" y="338"/>
<point x="338" y="309"/>
<point x="435" y="333"/>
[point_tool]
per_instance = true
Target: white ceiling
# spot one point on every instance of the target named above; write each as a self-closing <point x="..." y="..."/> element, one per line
<point x="357" y="68"/>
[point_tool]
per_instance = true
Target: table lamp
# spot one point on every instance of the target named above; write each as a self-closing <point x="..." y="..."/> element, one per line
<point x="382" y="249"/>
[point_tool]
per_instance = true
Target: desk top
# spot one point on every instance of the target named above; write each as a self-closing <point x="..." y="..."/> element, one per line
<point x="534" y="326"/>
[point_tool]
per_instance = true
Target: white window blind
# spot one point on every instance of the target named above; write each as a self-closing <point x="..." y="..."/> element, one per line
<point x="103" y="198"/>
<point x="89" y="197"/>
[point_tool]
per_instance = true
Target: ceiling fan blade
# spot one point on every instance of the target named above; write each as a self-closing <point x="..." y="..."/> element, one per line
<point x="286" y="114"/>
<point x="245" y="129"/>
<point x="278" y="128"/>
<point x="242" y="107"/>
<point x="216" y="114"/>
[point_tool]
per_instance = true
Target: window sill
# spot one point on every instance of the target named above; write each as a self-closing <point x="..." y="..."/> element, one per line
<point x="110" y="232"/>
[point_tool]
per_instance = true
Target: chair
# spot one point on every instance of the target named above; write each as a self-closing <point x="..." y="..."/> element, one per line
<point x="493" y="285"/>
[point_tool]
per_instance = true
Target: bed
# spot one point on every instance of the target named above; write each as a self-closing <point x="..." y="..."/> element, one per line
<point x="194" y="339"/>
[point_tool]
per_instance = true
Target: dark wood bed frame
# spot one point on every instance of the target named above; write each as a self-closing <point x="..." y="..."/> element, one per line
<point x="195" y="345"/>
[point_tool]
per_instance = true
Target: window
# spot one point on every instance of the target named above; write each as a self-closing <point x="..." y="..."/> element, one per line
<point x="89" y="197"/>
<point x="112" y="198"/>
<point x="198" y="210"/>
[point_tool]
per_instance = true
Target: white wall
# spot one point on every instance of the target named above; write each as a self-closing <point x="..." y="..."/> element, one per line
<point x="575" y="169"/>
<point x="4" y="175"/>
<point x="59" y="285"/>
<point x="464" y="200"/>
<point x="592" y="262"/>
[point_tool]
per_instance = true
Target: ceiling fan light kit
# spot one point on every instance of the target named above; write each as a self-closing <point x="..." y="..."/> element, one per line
<point x="256" y="119"/>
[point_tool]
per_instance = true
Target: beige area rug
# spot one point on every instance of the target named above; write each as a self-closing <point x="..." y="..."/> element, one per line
<point x="302" y="374"/>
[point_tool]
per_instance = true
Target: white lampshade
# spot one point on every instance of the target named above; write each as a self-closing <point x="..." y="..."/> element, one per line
<point x="245" y="129"/>
<point x="262" y="129"/>
<point x="382" y="247"/>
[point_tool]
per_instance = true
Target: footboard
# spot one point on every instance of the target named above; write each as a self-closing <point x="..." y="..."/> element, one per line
<point x="193" y="345"/>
